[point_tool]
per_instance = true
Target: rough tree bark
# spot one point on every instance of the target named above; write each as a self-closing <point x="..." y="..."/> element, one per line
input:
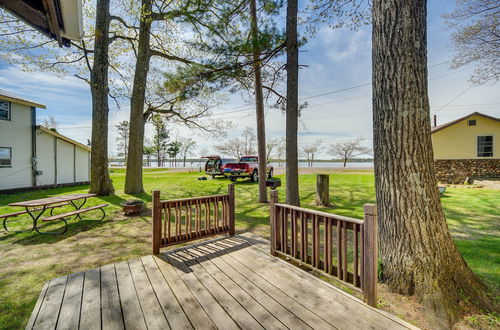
<point x="259" y="105"/>
<point x="100" y="183"/>
<point x="133" y="179"/>
<point x="292" y="105"/>
<point x="418" y="254"/>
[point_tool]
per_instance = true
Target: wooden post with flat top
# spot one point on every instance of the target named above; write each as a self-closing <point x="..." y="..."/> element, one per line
<point x="232" y="229"/>
<point x="323" y="189"/>
<point x="272" y="220"/>
<point x="370" y="260"/>
<point x="156" y="221"/>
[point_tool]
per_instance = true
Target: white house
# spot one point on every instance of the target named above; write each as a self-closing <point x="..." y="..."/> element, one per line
<point x="33" y="156"/>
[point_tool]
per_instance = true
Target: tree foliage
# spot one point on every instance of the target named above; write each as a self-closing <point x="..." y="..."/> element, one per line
<point x="348" y="149"/>
<point x="122" y="138"/>
<point x="476" y="39"/>
<point x="239" y="146"/>
<point x="310" y="150"/>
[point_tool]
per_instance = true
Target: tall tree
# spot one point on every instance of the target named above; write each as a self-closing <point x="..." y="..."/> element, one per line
<point x="310" y="150"/>
<point x="187" y="147"/>
<point x="416" y="249"/>
<point x="160" y="137"/>
<point x="292" y="104"/>
<point x="133" y="179"/>
<point x="100" y="182"/>
<point x="122" y="138"/>
<point x="476" y="39"/>
<point x="173" y="149"/>
<point x="259" y="103"/>
<point x="239" y="146"/>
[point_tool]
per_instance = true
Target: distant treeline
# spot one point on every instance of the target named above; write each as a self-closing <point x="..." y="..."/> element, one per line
<point x="197" y="160"/>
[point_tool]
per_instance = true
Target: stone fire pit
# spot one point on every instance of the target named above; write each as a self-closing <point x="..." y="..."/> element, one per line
<point x="132" y="207"/>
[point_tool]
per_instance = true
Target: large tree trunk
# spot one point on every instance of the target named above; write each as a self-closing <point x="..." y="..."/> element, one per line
<point x="417" y="251"/>
<point x="259" y="105"/>
<point x="100" y="183"/>
<point x="133" y="180"/>
<point x="292" y="105"/>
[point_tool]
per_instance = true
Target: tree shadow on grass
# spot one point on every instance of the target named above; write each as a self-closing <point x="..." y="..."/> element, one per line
<point x="74" y="228"/>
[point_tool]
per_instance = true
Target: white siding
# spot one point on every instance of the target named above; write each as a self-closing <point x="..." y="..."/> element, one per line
<point x="45" y="149"/>
<point x="82" y="165"/>
<point x="65" y="161"/>
<point x="16" y="134"/>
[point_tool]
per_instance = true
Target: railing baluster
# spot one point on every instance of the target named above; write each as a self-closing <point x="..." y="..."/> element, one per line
<point x="190" y="207"/>
<point x="339" y="248"/>
<point x="284" y="235"/>
<point x="176" y="207"/>
<point x="207" y="215"/>
<point x="362" y="261"/>
<point x="164" y="220"/>
<point x="318" y="240"/>
<point x="326" y="245"/>
<point x="293" y="223"/>
<point x="356" y="256"/>
<point x="314" y="240"/>
<point x="305" y="257"/>
<point x="169" y="220"/>
<point x="344" y="252"/>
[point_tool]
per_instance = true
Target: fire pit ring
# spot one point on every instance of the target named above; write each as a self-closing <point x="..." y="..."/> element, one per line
<point x="131" y="207"/>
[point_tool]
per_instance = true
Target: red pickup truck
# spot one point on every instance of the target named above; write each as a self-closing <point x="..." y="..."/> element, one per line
<point x="247" y="167"/>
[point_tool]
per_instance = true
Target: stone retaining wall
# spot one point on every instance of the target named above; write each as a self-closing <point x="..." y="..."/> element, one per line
<point x="456" y="171"/>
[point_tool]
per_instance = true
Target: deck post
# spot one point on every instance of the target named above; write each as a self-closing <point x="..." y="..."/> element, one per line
<point x="230" y="189"/>
<point x="370" y="259"/>
<point x="272" y="218"/>
<point x="156" y="221"/>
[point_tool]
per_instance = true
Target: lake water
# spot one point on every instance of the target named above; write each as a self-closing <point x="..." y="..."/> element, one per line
<point x="275" y="164"/>
<point x="331" y="164"/>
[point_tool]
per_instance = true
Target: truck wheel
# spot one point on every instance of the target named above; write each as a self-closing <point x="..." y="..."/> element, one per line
<point x="270" y="175"/>
<point x="232" y="179"/>
<point x="255" y="176"/>
<point x="213" y="176"/>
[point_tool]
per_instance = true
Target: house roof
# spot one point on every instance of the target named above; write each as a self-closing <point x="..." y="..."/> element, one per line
<point x="8" y="96"/>
<point x="442" y="126"/>
<point x="58" y="19"/>
<point x="62" y="137"/>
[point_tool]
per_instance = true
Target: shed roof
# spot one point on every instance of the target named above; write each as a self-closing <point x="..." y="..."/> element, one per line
<point x="58" y="19"/>
<point x="8" y="96"/>
<point x="442" y="126"/>
<point x="62" y="137"/>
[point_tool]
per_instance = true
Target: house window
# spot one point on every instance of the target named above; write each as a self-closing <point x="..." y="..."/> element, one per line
<point x="5" y="157"/>
<point x="485" y="146"/>
<point x="472" y="122"/>
<point x="5" y="110"/>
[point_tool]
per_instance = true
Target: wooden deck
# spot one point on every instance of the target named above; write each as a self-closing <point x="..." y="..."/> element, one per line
<point x="226" y="283"/>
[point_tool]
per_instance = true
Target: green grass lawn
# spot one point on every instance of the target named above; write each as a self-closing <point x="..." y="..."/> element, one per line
<point x="30" y="259"/>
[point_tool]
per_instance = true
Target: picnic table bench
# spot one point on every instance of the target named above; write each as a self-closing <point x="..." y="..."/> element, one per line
<point x="36" y="208"/>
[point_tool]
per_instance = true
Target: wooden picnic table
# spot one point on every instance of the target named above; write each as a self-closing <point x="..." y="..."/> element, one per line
<point x="52" y="200"/>
<point x="37" y="207"/>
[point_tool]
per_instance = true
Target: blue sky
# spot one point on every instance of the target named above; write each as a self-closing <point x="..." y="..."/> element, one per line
<point x="335" y="59"/>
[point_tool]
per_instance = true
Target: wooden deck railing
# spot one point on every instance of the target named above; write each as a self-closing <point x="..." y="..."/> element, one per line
<point x="183" y="220"/>
<point x="339" y="247"/>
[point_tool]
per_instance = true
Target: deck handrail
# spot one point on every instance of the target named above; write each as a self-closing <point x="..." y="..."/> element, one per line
<point x="182" y="220"/>
<point x="307" y="237"/>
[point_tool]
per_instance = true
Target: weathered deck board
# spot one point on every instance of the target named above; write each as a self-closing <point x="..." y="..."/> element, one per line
<point x="69" y="316"/>
<point x="228" y="283"/>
